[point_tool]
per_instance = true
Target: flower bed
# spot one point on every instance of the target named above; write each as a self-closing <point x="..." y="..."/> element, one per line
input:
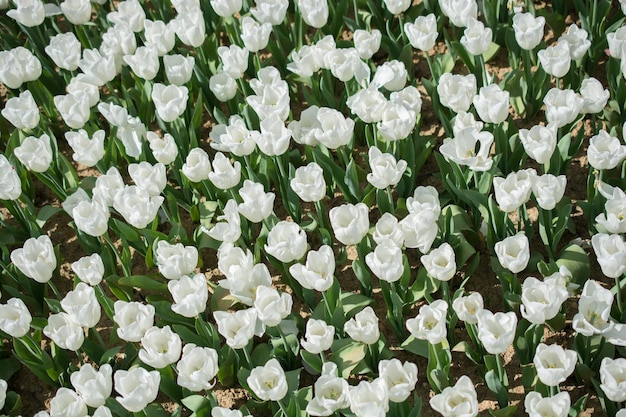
<point x="275" y="208"/>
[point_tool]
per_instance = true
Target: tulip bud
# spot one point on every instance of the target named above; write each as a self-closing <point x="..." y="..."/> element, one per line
<point x="286" y="242"/>
<point x="22" y="111"/>
<point x="422" y="34"/>
<point x="476" y="38"/>
<point x="528" y="30"/>
<point x="93" y="386"/>
<point x="15" y="318"/>
<point x="496" y="331"/>
<point x="270" y="11"/>
<point x="367" y="43"/>
<point x="67" y="403"/>
<point x="137" y="388"/>
<point x="89" y="269"/>
<point x="36" y="259"/>
<point x="363" y="327"/>
<point x="170" y="101"/>
<point x="197" y="368"/>
<point x="10" y="183"/>
<point x="133" y="319"/>
<point x="318" y="337"/>
<point x="350" y="222"/>
<point x="255" y="36"/>
<point x="64" y="331"/>
<point x="178" y="68"/>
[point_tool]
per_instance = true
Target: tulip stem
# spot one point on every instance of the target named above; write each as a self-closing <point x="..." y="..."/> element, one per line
<point x="618" y="295"/>
<point x="328" y="311"/>
<point x="246" y="354"/>
<point x="282" y="408"/>
<point x="433" y="76"/>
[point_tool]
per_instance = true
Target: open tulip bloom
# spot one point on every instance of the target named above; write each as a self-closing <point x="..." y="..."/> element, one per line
<point x="312" y="207"/>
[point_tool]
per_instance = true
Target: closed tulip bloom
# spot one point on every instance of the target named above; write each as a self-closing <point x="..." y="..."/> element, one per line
<point x="346" y="64"/>
<point x="459" y="11"/>
<point x="594" y="309"/>
<point x="197" y="368"/>
<point x="268" y="382"/>
<point x="409" y="97"/>
<point x="144" y="62"/>
<point x="459" y="400"/>
<point x="93" y="386"/>
<point x="440" y="263"/>
<point x="255" y="36"/>
<point x="29" y="13"/>
<point x="243" y="278"/>
<point x="514" y="190"/>
<point x="611" y="253"/>
<point x="318" y="337"/>
<point x="457" y="91"/>
<point x="89" y="269"/>
<point x="463" y="120"/>
<point x="10" y="183"/>
<point x="129" y="13"/>
<point x="496" y="331"/>
<point x="163" y="149"/>
<point x="257" y="204"/>
<point x="17" y="66"/>
<point x="367" y="104"/>
<point x="562" y="106"/>
<point x="197" y="165"/>
<point x="386" y="171"/>
<point x="605" y="151"/>
<point x="133" y="319"/>
<point x="286" y="242"/>
<point x="223" y="86"/>
<point x="513" y="252"/>
<point x="557" y="405"/>
<point x="190" y="295"/>
<point x="274" y="137"/>
<point x="82" y="83"/>
<point x="331" y="392"/>
<point x="64" y="331"/>
<point x="3" y="392"/>
<point x="270" y="11"/>
<point x="226" y="8"/>
<point x="554" y="364"/>
<point x="160" y="347"/>
<point x="397" y="122"/>
<point x="467" y="307"/>
<point x="422" y="33"/>
<point x="476" y="38"/>
<point x="614" y="221"/>
<point x="391" y="75"/>
<point x="613" y="378"/>
<point x="100" y="68"/>
<point x="492" y="104"/>
<point x="397" y="6"/>
<point x="541" y="301"/>
<point x="234" y="60"/>
<point x="35" y="153"/>
<point x="74" y="109"/>
<point x="594" y="94"/>
<point x="82" y="306"/>
<point x="386" y="262"/>
<point x="462" y="149"/>
<point x="539" y="142"/>
<point x="318" y="272"/>
<point x="108" y="185"/>
<point x="190" y="28"/>
<point x="335" y="129"/>
<point x="430" y="322"/>
<point x="15" y="318"/>
<point x="77" y="12"/>
<point x="272" y="307"/>
<point x="577" y="41"/>
<point x="117" y="41"/>
<point x="150" y="178"/>
<point x="400" y="378"/>
<point x="424" y="199"/>
<point x="350" y="222"/>
<point x="137" y="206"/>
<point x="367" y="43"/>
<point x="132" y="135"/>
<point x="369" y="398"/>
<point x="617" y="41"/>
<point x="314" y="12"/>
<point x="238" y="328"/>
<point x="555" y="59"/>
<point x="137" y="388"/>
<point x="67" y="403"/>
<point x="22" y="111"/>
<point x="308" y="182"/>
<point x="36" y="259"/>
<point x="528" y="30"/>
<point x="363" y="327"/>
<point x="86" y="151"/>
<point x="419" y="230"/>
<point x="176" y="260"/>
<point x="170" y="101"/>
<point x="549" y="190"/>
<point x="160" y="36"/>
<point x="228" y="226"/>
<point x="388" y="230"/>
<point x="225" y="174"/>
<point x="178" y="68"/>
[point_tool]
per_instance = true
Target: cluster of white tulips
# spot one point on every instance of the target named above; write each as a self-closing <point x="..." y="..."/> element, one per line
<point x="262" y="158"/>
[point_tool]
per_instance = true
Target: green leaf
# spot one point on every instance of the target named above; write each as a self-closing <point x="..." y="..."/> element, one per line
<point x="143" y="282"/>
<point x="576" y="260"/>
<point x="416" y="346"/>
<point x="45" y="213"/>
<point x="496" y="386"/>
<point x="8" y="367"/>
<point x="347" y="354"/>
<point x="196" y="402"/>
<point x="504" y="412"/>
